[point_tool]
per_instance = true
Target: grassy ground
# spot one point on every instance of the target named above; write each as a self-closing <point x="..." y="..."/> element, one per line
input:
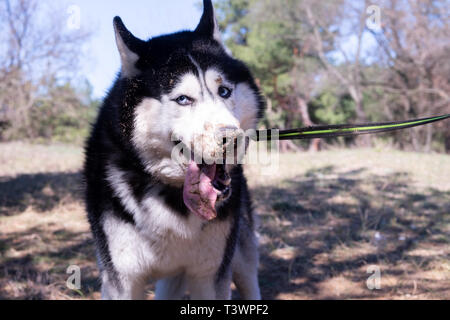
<point x="325" y="218"/>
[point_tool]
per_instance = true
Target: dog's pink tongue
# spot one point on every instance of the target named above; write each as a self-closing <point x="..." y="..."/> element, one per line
<point x="198" y="193"/>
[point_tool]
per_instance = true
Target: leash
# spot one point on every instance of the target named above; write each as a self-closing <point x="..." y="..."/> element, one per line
<point x="320" y="132"/>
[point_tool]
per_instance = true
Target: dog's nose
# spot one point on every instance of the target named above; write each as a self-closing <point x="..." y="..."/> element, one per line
<point x="227" y="135"/>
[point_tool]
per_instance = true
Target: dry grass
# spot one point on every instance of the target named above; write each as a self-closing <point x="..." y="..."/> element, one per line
<point x="324" y="217"/>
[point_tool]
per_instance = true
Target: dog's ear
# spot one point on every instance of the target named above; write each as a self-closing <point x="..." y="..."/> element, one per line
<point x="208" y="25"/>
<point x="129" y="47"/>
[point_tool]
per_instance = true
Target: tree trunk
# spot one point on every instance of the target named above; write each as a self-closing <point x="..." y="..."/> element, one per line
<point x="428" y="139"/>
<point x="364" y="141"/>
<point x="447" y="138"/>
<point x="314" y="146"/>
<point x="414" y="139"/>
<point x="287" y="146"/>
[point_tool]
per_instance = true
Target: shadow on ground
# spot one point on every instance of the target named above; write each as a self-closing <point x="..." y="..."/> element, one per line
<point x="320" y="232"/>
<point x="41" y="273"/>
<point x="42" y="192"/>
<point x="34" y="260"/>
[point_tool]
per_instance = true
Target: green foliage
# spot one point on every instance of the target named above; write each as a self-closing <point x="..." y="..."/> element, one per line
<point x="271" y="41"/>
<point x="63" y="114"/>
<point x="329" y="108"/>
<point x="276" y="39"/>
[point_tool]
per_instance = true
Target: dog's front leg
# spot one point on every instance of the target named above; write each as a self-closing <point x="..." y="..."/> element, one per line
<point x="172" y="288"/>
<point x="245" y="270"/>
<point x="203" y="288"/>
<point x="122" y="288"/>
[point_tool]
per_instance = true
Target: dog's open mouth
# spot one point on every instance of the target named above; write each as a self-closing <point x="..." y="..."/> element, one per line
<point x="204" y="186"/>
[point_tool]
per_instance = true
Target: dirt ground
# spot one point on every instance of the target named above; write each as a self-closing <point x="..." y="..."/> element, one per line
<point x="327" y="221"/>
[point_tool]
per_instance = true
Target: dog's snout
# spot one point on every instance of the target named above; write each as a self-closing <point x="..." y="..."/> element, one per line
<point x="227" y="135"/>
<point x="231" y="128"/>
<point x="227" y="130"/>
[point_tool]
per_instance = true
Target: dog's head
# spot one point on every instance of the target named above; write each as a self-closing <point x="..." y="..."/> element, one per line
<point x="185" y="92"/>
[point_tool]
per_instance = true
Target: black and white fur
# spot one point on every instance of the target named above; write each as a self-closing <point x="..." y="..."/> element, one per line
<point x="141" y="227"/>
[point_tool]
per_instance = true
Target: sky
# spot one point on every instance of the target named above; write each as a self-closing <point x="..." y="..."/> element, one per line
<point x="144" y="18"/>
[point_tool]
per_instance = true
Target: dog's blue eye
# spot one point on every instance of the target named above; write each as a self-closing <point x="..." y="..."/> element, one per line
<point x="224" y="92"/>
<point x="184" y="101"/>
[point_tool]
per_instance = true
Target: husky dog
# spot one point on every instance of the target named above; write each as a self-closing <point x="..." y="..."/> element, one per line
<point x="187" y="225"/>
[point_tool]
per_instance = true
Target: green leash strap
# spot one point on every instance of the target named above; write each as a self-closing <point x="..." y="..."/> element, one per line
<point x="319" y="132"/>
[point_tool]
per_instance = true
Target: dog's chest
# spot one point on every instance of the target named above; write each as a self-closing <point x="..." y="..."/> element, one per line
<point x="163" y="244"/>
<point x="201" y="254"/>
